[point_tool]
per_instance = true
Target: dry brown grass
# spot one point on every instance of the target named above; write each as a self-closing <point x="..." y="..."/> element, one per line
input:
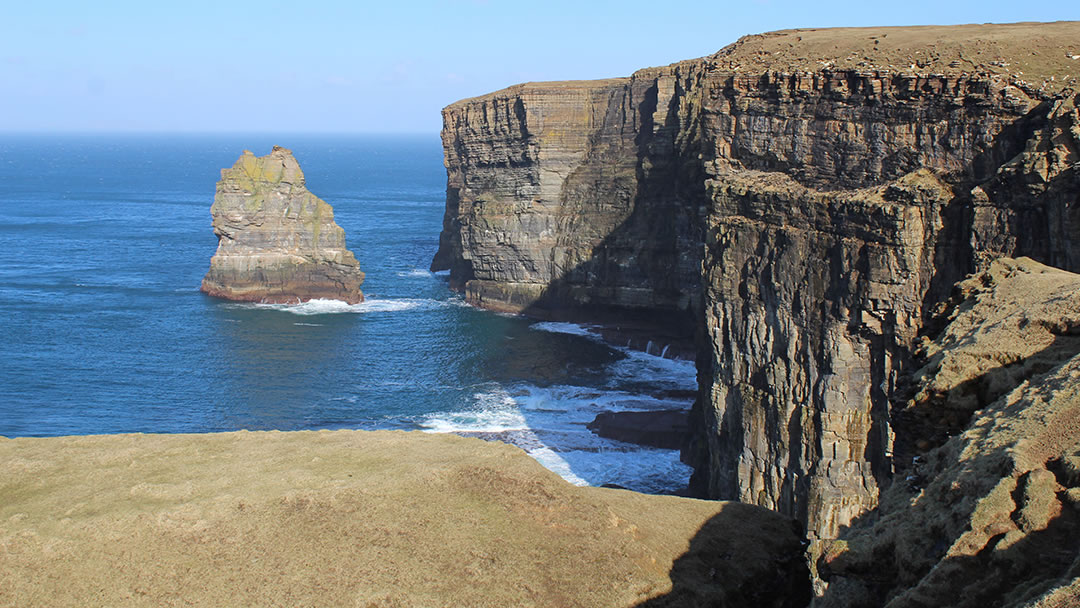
<point x="344" y="518"/>
<point x="1040" y="54"/>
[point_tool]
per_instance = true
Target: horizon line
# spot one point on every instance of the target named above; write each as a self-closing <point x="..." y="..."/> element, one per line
<point x="91" y="132"/>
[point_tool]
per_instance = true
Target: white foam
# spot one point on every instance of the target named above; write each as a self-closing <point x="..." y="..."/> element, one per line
<point x="494" y="411"/>
<point x="549" y="424"/>
<point x="311" y="307"/>
<point x="309" y="324"/>
<point x="640" y="367"/>
<point x="371" y="305"/>
<point x="564" y="328"/>
<point x="557" y="464"/>
<point x="416" y="272"/>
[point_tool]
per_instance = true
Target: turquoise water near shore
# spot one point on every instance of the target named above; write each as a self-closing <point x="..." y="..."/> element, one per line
<point x="103" y="243"/>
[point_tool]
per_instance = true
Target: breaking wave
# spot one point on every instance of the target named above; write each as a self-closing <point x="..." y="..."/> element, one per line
<point x="370" y="305"/>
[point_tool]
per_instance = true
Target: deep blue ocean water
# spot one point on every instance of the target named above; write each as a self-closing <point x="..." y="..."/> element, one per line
<point x="103" y="243"/>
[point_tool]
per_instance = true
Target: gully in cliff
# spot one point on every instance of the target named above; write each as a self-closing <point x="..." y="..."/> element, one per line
<point x="277" y="242"/>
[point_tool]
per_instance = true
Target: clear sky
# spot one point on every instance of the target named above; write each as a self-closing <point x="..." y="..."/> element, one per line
<point x="268" y="66"/>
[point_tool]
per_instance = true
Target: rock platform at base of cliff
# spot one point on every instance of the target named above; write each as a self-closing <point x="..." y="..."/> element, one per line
<point x="277" y="242"/>
<point x="354" y="518"/>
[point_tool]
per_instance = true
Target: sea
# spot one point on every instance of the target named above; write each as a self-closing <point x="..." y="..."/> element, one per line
<point x="104" y="240"/>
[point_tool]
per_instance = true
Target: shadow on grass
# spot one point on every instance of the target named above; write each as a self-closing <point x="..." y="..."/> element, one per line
<point x="743" y="556"/>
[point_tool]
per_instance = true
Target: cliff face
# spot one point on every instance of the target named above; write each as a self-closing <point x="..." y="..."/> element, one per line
<point x="573" y="196"/>
<point x="992" y="516"/>
<point x="843" y="207"/>
<point x="277" y="242"/>
<point x="808" y="196"/>
<point x="811" y="299"/>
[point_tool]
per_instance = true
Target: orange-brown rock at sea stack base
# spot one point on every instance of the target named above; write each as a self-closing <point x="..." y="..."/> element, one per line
<point x="277" y="242"/>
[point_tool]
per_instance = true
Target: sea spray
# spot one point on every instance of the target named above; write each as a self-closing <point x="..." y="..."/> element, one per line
<point x="549" y="422"/>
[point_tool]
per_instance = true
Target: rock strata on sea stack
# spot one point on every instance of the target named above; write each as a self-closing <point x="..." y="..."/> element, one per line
<point x="277" y="242"/>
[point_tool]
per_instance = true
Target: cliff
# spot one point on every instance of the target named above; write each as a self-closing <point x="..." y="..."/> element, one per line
<point x="353" y="518"/>
<point x="992" y="516"/>
<point x="843" y="207"/>
<point x="805" y="199"/>
<point x="277" y="242"/>
<point x="553" y="192"/>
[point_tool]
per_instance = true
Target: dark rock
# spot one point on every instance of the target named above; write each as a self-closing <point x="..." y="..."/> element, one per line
<point x="666" y="429"/>
<point x="988" y="520"/>
<point x="805" y="212"/>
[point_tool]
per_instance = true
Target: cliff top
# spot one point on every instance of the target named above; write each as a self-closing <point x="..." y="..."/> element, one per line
<point x="278" y="166"/>
<point x="1045" y="55"/>
<point x="544" y="88"/>
<point x="351" y="518"/>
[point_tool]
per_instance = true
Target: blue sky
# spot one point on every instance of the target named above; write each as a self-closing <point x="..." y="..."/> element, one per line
<point x="350" y="67"/>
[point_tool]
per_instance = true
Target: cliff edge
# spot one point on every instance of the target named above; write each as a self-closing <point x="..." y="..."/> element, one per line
<point x="354" y="518"/>
<point x="802" y="200"/>
<point x="992" y="516"/>
<point x="277" y="242"/>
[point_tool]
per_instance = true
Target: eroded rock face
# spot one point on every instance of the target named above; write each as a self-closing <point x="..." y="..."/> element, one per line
<point x="277" y="242"/>
<point x="992" y="517"/>
<point x="808" y="197"/>
<point x="811" y="299"/>
<point x="564" y="196"/>
<point x="842" y="210"/>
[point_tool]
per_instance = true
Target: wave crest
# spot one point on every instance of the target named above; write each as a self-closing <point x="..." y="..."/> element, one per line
<point x="330" y="307"/>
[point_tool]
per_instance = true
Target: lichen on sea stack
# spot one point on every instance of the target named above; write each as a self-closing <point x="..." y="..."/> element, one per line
<point x="277" y="242"/>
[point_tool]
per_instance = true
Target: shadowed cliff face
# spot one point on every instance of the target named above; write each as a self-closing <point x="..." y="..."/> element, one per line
<point x="805" y="197"/>
<point x="991" y="516"/>
<point x="568" y="196"/>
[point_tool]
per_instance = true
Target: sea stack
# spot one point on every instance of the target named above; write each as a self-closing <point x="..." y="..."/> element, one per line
<point x="277" y="242"/>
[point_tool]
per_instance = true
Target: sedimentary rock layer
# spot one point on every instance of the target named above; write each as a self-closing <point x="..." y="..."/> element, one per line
<point x="565" y="195"/>
<point x="843" y="206"/>
<point x="992" y="517"/>
<point x="352" y="518"/>
<point x="806" y="197"/>
<point x="277" y="242"/>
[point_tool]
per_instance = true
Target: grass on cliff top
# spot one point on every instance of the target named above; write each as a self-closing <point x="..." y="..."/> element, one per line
<point x="343" y="518"/>
<point x="1041" y="54"/>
